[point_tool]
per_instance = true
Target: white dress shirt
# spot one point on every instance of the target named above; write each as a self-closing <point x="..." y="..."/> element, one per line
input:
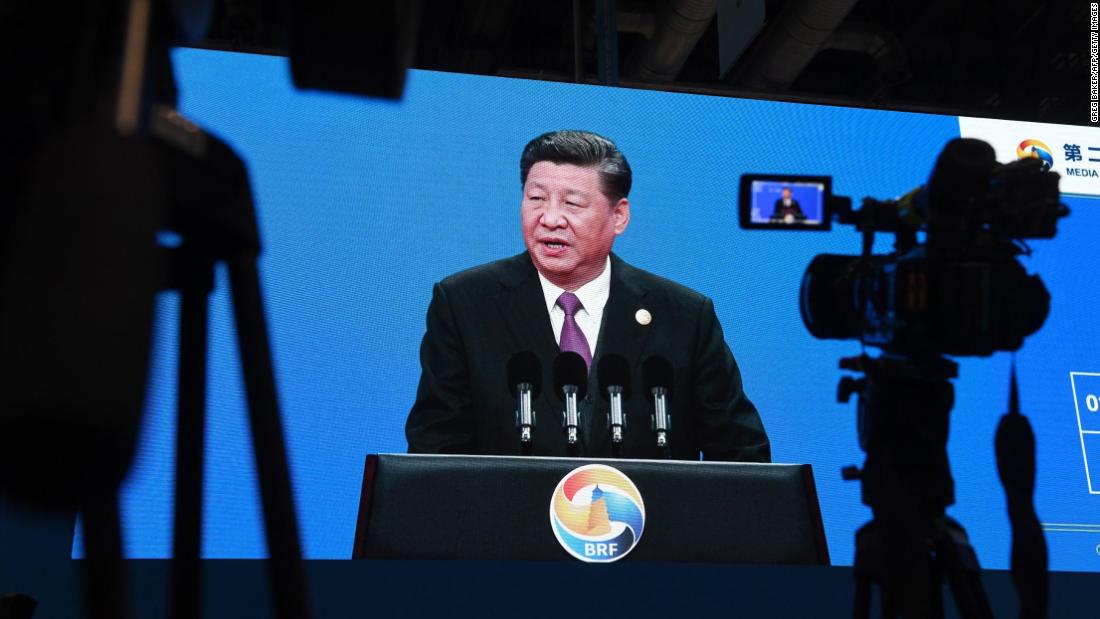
<point x="593" y="296"/>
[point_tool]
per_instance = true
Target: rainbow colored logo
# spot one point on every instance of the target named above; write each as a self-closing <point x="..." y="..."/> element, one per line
<point x="597" y="514"/>
<point x="1037" y="150"/>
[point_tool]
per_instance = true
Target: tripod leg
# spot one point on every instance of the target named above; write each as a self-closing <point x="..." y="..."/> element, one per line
<point x="190" y="430"/>
<point x="959" y="562"/>
<point x="910" y="584"/>
<point x="875" y="563"/>
<point x="862" y="606"/>
<point x="867" y="565"/>
<point x="283" y="543"/>
<point x="105" y="582"/>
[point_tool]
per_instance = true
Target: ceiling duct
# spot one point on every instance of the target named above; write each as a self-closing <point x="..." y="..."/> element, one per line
<point x="878" y="43"/>
<point x="790" y="43"/>
<point x="678" y="26"/>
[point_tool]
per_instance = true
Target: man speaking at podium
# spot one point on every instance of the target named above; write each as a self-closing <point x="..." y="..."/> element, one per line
<point x="787" y="209"/>
<point x="569" y="292"/>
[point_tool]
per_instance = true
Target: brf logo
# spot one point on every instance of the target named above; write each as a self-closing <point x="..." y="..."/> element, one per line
<point x="597" y="514"/>
<point x="1036" y="149"/>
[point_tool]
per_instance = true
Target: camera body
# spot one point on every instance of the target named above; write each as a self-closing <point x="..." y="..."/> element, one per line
<point x="914" y="303"/>
<point x="954" y="284"/>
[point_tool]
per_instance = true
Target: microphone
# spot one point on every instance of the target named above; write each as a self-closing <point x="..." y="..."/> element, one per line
<point x="614" y="373"/>
<point x="525" y="382"/>
<point x="571" y="381"/>
<point x="657" y="376"/>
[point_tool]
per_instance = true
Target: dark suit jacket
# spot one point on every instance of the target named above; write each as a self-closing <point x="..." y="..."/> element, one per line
<point x="480" y="317"/>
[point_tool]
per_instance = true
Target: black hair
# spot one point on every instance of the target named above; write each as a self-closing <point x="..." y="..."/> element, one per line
<point x="580" y="148"/>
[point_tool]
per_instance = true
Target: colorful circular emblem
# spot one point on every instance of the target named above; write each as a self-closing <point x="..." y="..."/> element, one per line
<point x="597" y="514"/>
<point x="1036" y="149"/>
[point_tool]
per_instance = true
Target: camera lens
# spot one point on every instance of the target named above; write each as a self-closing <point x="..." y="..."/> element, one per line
<point x="830" y="303"/>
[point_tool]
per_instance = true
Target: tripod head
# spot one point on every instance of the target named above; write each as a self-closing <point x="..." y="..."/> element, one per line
<point x="904" y="406"/>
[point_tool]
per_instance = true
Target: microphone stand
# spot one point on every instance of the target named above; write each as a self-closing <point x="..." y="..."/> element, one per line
<point x="525" y="418"/>
<point x="571" y="420"/>
<point x="617" y="421"/>
<point x="661" y="420"/>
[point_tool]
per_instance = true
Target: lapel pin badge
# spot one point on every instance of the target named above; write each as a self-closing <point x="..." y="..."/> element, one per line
<point x="643" y="317"/>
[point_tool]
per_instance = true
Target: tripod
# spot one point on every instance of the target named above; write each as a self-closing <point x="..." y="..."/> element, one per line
<point x="72" y="403"/>
<point x="212" y="211"/>
<point x="910" y="547"/>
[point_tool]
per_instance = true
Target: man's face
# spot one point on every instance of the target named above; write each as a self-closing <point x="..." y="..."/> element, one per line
<point x="786" y="194"/>
<point x="568" y="222"/>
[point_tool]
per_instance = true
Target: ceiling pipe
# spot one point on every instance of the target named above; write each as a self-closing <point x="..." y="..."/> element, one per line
<point x="677" y="28"/>
<point x="877" y="42"/>
<point x="790" y="43"/>
<point x="637" y="22"/>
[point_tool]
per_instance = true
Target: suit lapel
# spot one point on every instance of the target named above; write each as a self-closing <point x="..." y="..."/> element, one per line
<point x="524" y="308"/>
<point x="620" y="333"/>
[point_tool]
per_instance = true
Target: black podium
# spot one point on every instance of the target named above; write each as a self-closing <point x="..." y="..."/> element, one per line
<point x="498" y="507"/>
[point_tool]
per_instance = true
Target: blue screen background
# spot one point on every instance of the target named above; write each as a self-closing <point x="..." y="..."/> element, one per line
<point x="364" y="204"/>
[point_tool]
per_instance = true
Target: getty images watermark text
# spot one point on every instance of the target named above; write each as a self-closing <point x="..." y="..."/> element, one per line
<point x="1094" y="57"/>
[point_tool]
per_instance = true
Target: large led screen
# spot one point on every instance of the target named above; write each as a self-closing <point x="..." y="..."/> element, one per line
<point x="365" y="204"/>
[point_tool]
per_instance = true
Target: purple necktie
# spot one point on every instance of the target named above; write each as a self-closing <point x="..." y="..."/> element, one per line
<point x="572" y="338"/>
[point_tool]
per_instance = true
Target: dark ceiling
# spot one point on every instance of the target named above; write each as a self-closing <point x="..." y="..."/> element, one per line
<point x="1014" y="59"/>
